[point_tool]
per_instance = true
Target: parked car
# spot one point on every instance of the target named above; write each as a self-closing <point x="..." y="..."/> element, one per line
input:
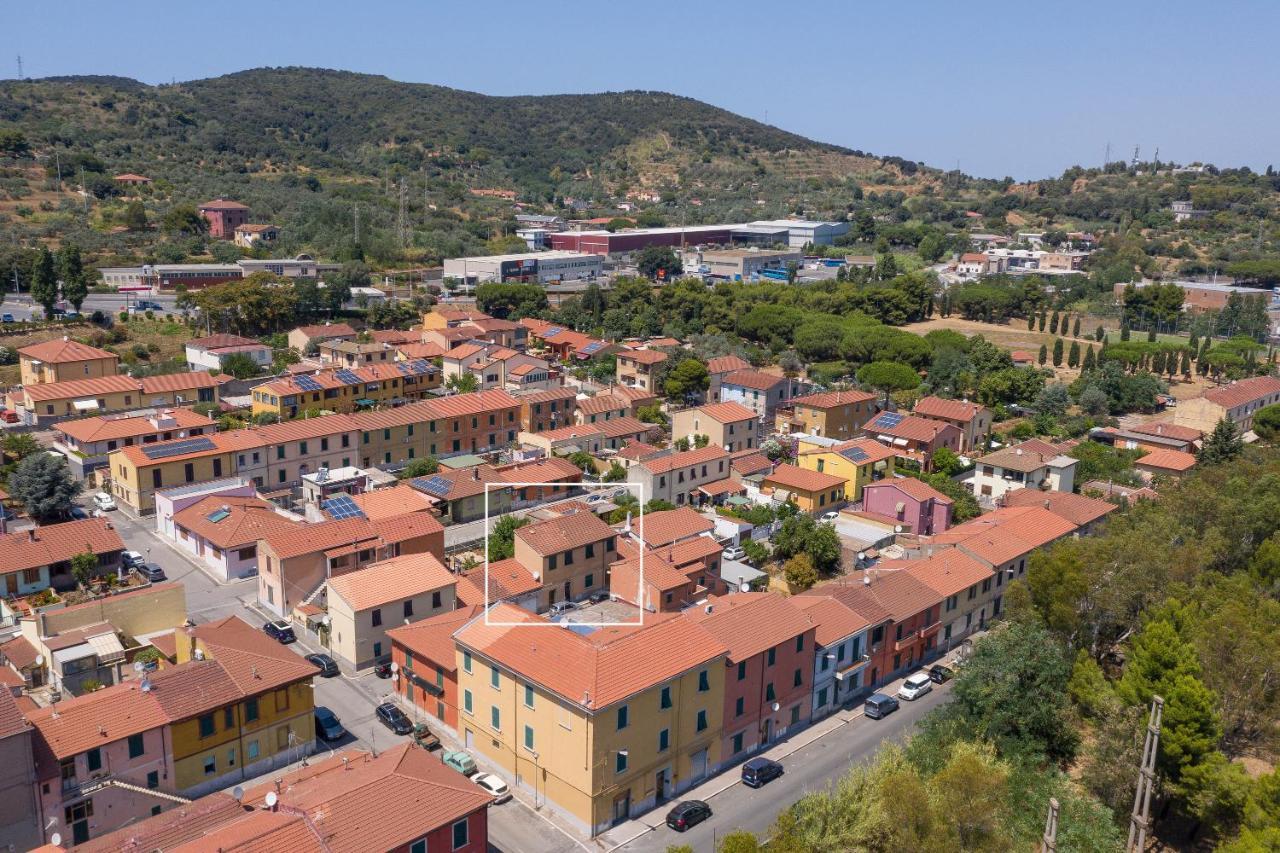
<point x="423" y="737"/>
<point x="152" y="572"/>
<point x="104" y="501"/>
<point x="460" y="761"/>
<point x="735" y="552"/>
<point x="131" y="560"/>
<point x="327" y="666"/>
<point x="916" y="685"/>
<point x="280" y="631"/>
<point x="878" y="706"/>
<point x="940" y="673"/>
<point x="327" y="725"/>
<point x="393" y="718"/>
<point x="77" y="513"/>
<point x="7" y="318"/>
<point x="760" y="771"/>
<point x="383" y="670"/>
<point x="495" y="786"/>
<point x="560" y="608"/>
<point x="10" y="416"/>
<point x="830" y="516"/>
<point x="688" y="813"/>
<point x="599" y="596"/>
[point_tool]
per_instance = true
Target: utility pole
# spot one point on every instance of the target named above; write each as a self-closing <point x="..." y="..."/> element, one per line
<point x="402" y="221"/>
<point x="1140" y="818"/>
<point x="1106" y="158"/>
<point x="1049" y="841"/>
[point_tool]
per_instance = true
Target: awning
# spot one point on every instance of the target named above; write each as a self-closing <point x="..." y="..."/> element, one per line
<point x="364" y="401"/>
<point x="85" y="405"/>
<point x="70" y="653"/>
<point x="107" y="647"/>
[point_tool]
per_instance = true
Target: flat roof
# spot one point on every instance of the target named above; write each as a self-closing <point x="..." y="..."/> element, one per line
<point x="554" y="255"/>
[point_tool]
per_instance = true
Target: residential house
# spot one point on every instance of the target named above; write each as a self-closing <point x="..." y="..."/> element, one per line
<point x="222" y="532"/>
<point x="812" y="491"/>
<point x="839" y="652"/>
<point x="64" y="360"/>
<point x="1156" y="435"/>
<point x="346" y="390"/>
<point x="1236" y="402"/>
<point x="86" y="442"/>
<point x="729" y="425"/>
<point x="570" y="554"/>
<point x="303" y="338"/>
<point x="973" y="420"/>
<point x="965" y="584"/>
<point x="1032" y="464"/>
<point x="1084" y="512"/>
<point x="20" y="827"/>
<point x="677" y="477"/>
<point x="1165" y="463"/>
<point x="831" y="414"/>
<point x="653" y="584"/>
<point x="768" y="680"/>
<point x="859" y="461"/>
<point x="426" y="660"/>
<point x="46" y="403"/>
<point x="419" y="803"/>
<point x="600" y="408"/>
<point x="762" y="393"/>
<point x="720" y="367"/>
<point x="600" y="725"/>
<point x="40" y="558"/>
<point x="912" y="437"/>
<point x="224" y="217"/>
<point x="917" y="506"/>
<point x="547" y="409"/>
<point x="251" y="234"/>
<point x="212" y="352"/>
<point x="351" y="353"/>
<point x="638" y="368"/>
<point x="362" y="604"/>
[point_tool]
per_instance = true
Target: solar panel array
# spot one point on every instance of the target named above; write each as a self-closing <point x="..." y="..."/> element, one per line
<point x="347" y="377"/>
<point x="552" y="332"/>
<point x="418" y="366"/>
<point x="218" y="515"/>
<point x="594" y="347"/>
<point x="438" y="486"/>
<point x="889" y="419"/>
<point x="177" y="448"/>
<point x="306" y="383"/>
<point x="340" y="507"/>
<point x="854" y="454"/>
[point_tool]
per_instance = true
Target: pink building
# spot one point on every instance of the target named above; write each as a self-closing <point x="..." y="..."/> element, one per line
<point x="913" y="503"/>
<point x="768" y="686"/>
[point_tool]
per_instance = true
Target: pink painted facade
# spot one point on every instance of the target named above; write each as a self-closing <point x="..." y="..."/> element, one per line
<point x="924" y="513"/>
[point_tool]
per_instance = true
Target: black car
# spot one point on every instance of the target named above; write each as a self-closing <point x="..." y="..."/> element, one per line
<point x="760" y="771"/>
<point x="879" y="705"/>
<point x="940" y="673"/>
<point x="599" y="596"/>
<point x="327" y="725"/>
<point x="280" y="631"/>
<point x="393" y="718"/>
<point x="688" y="813"/>
<point x="78" y="513"/>
<point x="152" y="572"/>
<point x="383" y="670"/>
<point x="328" y="668"/>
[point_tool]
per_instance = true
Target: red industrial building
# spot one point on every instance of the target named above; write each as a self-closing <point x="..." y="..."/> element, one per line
<point x="224" y="217"/>
<point x="606" y="243"/>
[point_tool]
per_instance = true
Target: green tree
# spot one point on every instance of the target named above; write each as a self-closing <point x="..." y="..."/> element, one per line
<point x="184" y="219"/>
<point x="799" y="572"/>
<point x="686" y="379"/>
<point x="1222" y="445"/>
<point x="739" y="841"/>
<point x="135" y="216"/>
<point x="1057" y="352"/>
<point x="1075" y="327"/>
<point x="1266" y="422"/>
<point x="1088" y="687"/>
<point x="20" y="445"/>
<point x="43" y="484"/>
<point x="502" y="541"/>
<point x="83" y="567"/>
<point x="658" y="262"/>
<point x="240" y="365"/>
<point x="1090" y="361"/>
<point x="945" y="461"/>
<point x="1053" y="324"/>
<point x="1073" y="355"/>
<point x="75" y="284"/>
<point x="422" y="467"/>
<point x="44" y="282"/>
<point x="888" y="376"/>
<point x="1043" y="358"/>
<point x="462" y="383"/>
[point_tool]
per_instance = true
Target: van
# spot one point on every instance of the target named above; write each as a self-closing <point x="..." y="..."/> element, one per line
<point x="915" y="685"/>
<point x="878" y="706"/>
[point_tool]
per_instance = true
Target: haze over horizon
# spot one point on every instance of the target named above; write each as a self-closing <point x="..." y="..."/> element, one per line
<point x="1017" y="91"/>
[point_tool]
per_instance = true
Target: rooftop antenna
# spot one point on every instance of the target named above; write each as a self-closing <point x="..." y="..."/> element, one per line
<point x="1140" y="819"/>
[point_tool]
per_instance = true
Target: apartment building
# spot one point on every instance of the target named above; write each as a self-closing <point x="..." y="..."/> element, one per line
<point x="1032" y="464"/>
<point x="570" y="554"/>
<point x="839" y="652"/>
<point x="346" y="390"/>
<point x="64" y="360"/>
<point x="729" y="425"/>
<point x="46" y="403"/>
<point x="677" y="477"/>
<point x="548" y="409"/>
<point x="812" y="491"/>
<point x="90" y="440"/>
<point x="762" y="393"/>
<point x="831" y="414"/>
<point x="859" y="462"/>
<point x="638" y="368"/>
<point x="1236" y="402"/>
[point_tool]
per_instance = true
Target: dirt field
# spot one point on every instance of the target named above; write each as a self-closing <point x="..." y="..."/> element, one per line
<point x="170" y="338"/>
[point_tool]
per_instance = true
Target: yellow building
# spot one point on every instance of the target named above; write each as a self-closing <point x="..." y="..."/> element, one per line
<point x="52" y="401"/>
<point x="571" y="553"/>
<point x="239" y="705"/>
<point x="858" y="462"/>
<point x="813" y="492"/>
<point x="346" y="390"/>
<point x="63" y="360"/>
<point x="601" y="725"/>
<point x="830" y="414"/>
<point x="138" y="471"/>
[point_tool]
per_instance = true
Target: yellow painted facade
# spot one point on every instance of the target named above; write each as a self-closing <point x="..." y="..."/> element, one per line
<point x="599" y="765"/>
<point x="286" y="403"/>
<point x="855" y="476"/>
<point x="36" y="372"/>
<point x="136" y="484"/>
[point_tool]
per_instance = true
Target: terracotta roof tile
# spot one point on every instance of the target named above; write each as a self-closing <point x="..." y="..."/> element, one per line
<point x="643" y="356"/>
<point x="561" y="394"/>
<point x="108" y="427"/>
<point x="727" y="413"/>
<point x="19" y="652"/>
<point x="327" y="330"/>
<point x="698" y="456"/>
<point x="890" y="595"/>
<point x="432" y="639"/>
<point x="793" y="477"/>
<point x="1169" y="460"/>
<point x="908" y="427"/>
<point x="727" y="364"/>
<point x="910" y="486"/>
<point x="76" y="388"/>
<point x="1168" y="430"/>
<point x="833" y="619"/>
<point x="1244" y="391"/>
<point x="54" y="543"/>
<point x="396" y="579"/>
<point x="248" y="519"/>
<point x="325" y="535"/>
<point x="80" y="723"/>
<point x="564" y="533"/>
<point x="951" y="410"/>
<point x="753" y="379"/>
<point x="1077" y="509"/>
<point x="671" y="525"/>
<point x="947" y="572"/>
<point x="177" y="382"/>
<point x="476" y="403"/>
<point x="62" y="350"/>
<point x="625" y="426"/>
<point x="386" y="503"/>
<point x="1026" y="457"/>
<point x="752" y="463"/>
<point x="749" y="623"/>
<point x="832" y="399"/>
<point x="601" y="403"/>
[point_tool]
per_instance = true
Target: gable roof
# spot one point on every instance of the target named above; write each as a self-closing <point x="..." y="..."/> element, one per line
<point x="643" y="356"/>
<point x="327" y="330"/>
<point x="749" y="623"/>
<point x="1026" y="457"/>
<point x="951" y="410"/>
<point x="178" y="382"/>
<point x="398" y="578"/>
<point x="63" y="350"/>
<point x="727" y="364"/>
<point x="1077" y="509"/>
<point x="1170" y="460"/>
<point x="794" y="477"/>
<point x="432" y="638"/>
<point x="108" y="427"/>
<point x="697" y="456"/>
<point x="1168" y="430"/>
<point x="240" y="521"/>
<point x="726" y="413"/>
<point x="80" y="723"/>
<point x="753" y="379"/>
<point x="601" y="403"/>
<point x="832" y="399"/>
<point x="1006" y="533"/>
<point x="564" y="533"/>
<point x="947" y="572"/>
<point x="908" y="427"/>
<point x="350" y="532"/>
<point x="671" y="525"/>
<point x="1243" y="391"/>
<point x="223" y="204"/>
<point x="55" y="543"/>
<point x="81" y="388"/>
<point x="913" y="488"/>
<point x="833" y="619"/>
<point x="890" y="595"/>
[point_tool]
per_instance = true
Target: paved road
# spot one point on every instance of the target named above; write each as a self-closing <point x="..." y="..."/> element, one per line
<point x="810" y="768"/>
<point x="21" y="307"/>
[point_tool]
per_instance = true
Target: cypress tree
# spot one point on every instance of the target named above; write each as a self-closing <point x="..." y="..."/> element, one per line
<point x="1073" y="355"/>
<point x="44" y="282"/>
<point x="1043" y="317"/>
<point x="1090" y="360"/>
<point x="1031" y="322"/>
<point x="1151" y="335"/>
<point x="1044" y="354"/>
<point x="1075" y="327"/>
<point x="1195" y="342"/>
<point x="1099" y="333"/>
<point x="1053" y="324"/>
<point x="1057" y="352"/>
<point x="1186" y="365"/>
<point x="1124" y="330"/>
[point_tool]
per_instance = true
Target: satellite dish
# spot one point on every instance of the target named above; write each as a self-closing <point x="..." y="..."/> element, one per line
<point x="395" y="667"/>
<point x="862" y="555"/>
<point x="39" y="660"/>
<point x="272" y="799"/>
<point x="56" y="839"/>
<point x="897" y="528"/>
<point x="325" y="620"/>
<point x="139" y="666"/>
<point x="776" y="706"/>
<point x="238" y="793"/>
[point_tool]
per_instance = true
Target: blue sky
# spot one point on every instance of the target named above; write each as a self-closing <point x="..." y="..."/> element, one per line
<point x="1023" y="89"/>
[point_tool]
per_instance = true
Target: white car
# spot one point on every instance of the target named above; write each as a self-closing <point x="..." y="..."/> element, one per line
<point x="734" y="553"/>
<point x="132" y="560"/>
<point x="104" y="501"/>
<point x="916" y="685"/>
<point x="830" y="516"/>
<point x="494" y="786"/>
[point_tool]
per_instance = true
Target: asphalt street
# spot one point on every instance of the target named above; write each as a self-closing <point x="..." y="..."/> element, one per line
<point x="22" y="308"/>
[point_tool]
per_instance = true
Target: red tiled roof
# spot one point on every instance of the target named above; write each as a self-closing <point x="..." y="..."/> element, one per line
<point x="1007" y="533"/>
<point x="727" y="364"/>
<point x="1170" y="460"/>
<point x="253" y="661"/>
<point x="55" y="543"/>
<point x="619" y="427"/>
<point x="833" y="619"/>
<point x="177" y="382"/>
<point x="1026" y="457"/>
<point x="564" y="533"/>
<point x="398" y="578"/>
<point x="326" y="535"/>
<point x="107" y="427"/>
<point x="221" y="340"/>
<point x="63" y="350"/>
<point x="475" y="403"/>
<point x="419" y="350"/>
<point x="397" y="500"/>
<point x="909" y="427"/>
<point x="1243" y="391"/>
<point x="75" y="388"/>
<point x="727" y="413"/>
<point x="432" y="639"/>
<point x="561" y="394"/>
<point x="1168" y="430"/>
<point x="643" y="356"/>
<point x="248" y="519"/>
<point x="697" y="456"/>
<point x="947" y="572"/>
<point x="671" y="525"/>
<point x="750" y="623"/>
<point x="754" y="379"/>
<point x="223" y="204"/>
<point x="752" y="463"/>
<point x="20" y="652"/>
<point x="890" y="595"/>
<point x="637" y="450"/>
<point x="910" y="486"/>
<point x="793" y="477"/>
<point x="80" y="723"/>
<point x="602" y="403"/>
<point x="1077" y="509"/>
<point x="951" y="410"/>
<point x="831" y="399"/>
<point x="327" y="330"/>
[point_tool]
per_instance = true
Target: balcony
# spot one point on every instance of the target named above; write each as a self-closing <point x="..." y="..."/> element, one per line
<point x="930" y="630"/>
<point x="853" y="668"/>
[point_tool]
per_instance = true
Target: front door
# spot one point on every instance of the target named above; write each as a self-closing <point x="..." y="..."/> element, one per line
<point x="622" y="807"/>
<point x="470" y="739"/>
<point x="698" y="765"/>
<point x="768" y="730"/>
<point x="568" y="590"/>
<point x="660" y="784"/>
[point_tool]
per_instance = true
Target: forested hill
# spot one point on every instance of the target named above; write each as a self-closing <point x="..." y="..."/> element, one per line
<point x="337" y="120"/>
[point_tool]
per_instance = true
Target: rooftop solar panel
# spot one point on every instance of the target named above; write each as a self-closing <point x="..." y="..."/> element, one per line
<point x="340" y="507"/>
<point x="218" y="515"/>
<point x="593" y="347"/>
<point x="177" y="448"/>
<point x="889" y="419"/>
<point x="306" y="383"/>
<point x="552" y="332"/>
<point x="347" y="377"/>
<point x="438" y="486"/>
<point x="420" y="366"/>
<point x="403" y="367"/>
<point x="855" y="454"/>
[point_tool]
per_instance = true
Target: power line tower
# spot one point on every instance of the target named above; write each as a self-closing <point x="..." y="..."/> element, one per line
<point x="402" y="218"/>
<point x="19" y="66"/>
<point x="1049" y="841"/>
<point x="1134" y="163"/>
<point x="1106" y="158"/>
<point x="1140" y="819"/>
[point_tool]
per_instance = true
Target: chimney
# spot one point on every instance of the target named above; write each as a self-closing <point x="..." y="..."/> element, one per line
<point x="475" y="474"/>
<point x="31" y="535"/>
<point x="709" y="608"/>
